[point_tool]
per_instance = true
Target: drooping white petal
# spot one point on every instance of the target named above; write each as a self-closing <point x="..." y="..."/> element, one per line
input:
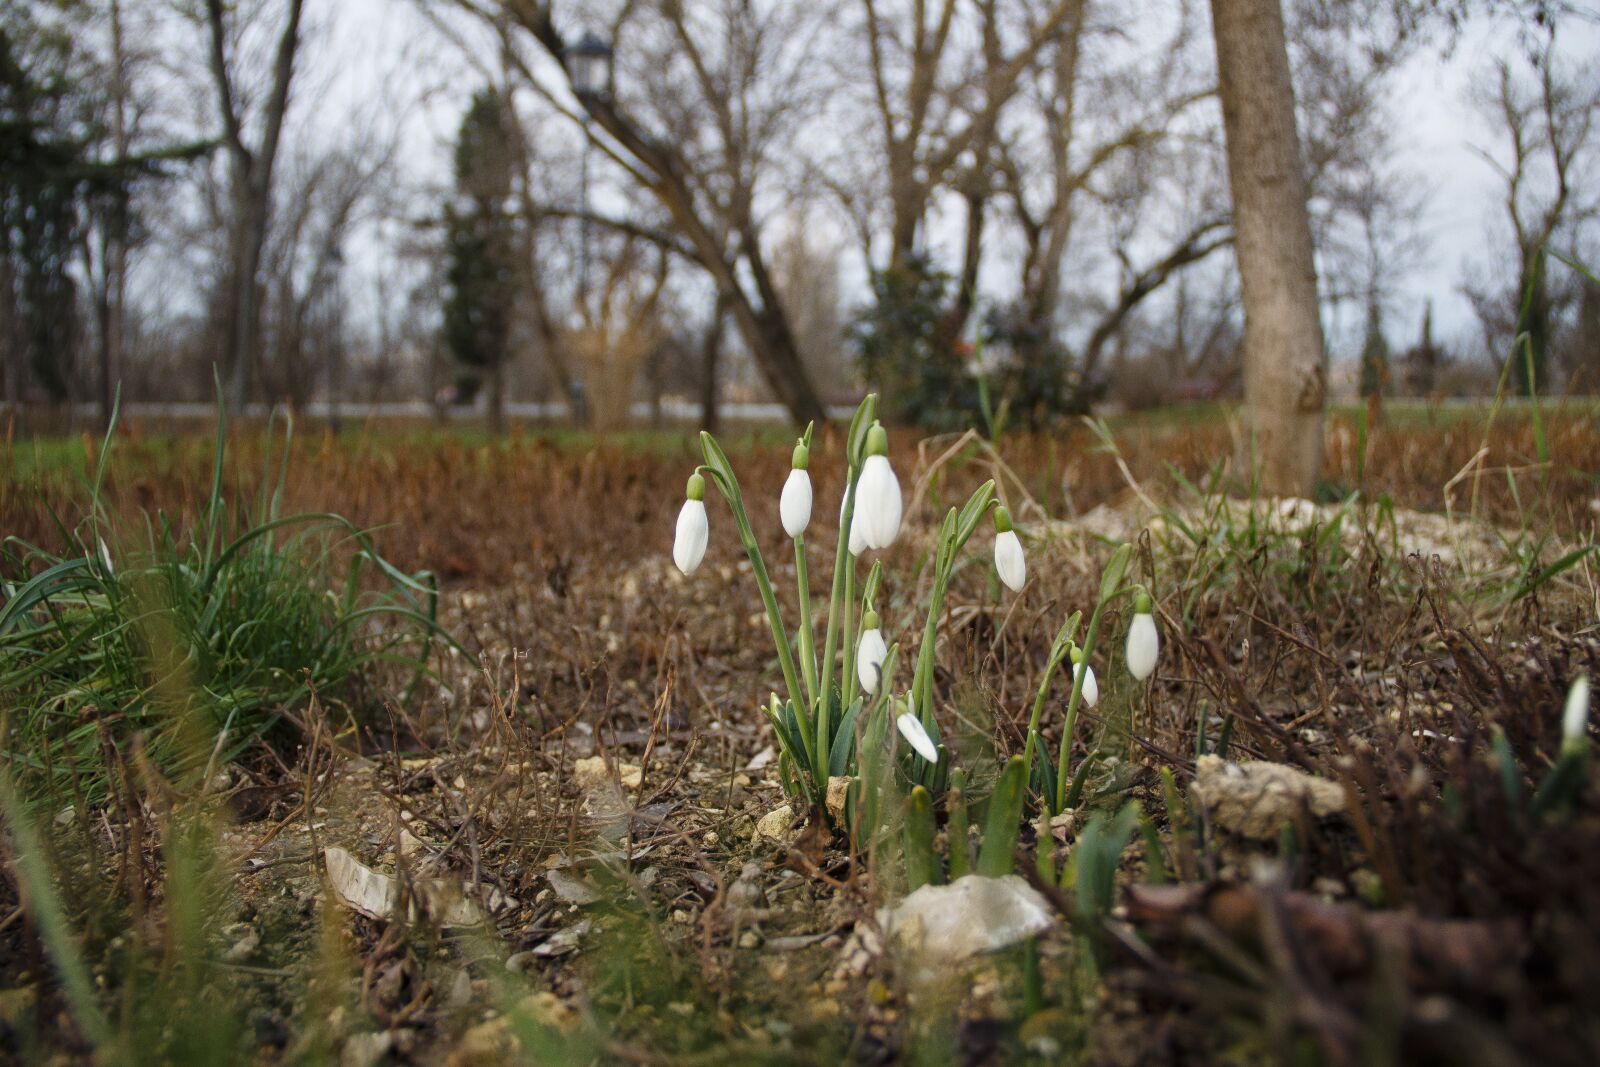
<point x="794" y="506"/>
<point x="878" y="503"/>
<point x="1575" y="717"/>
<point x="689" y="546"/>
<point x="1008" y="560"/>
<point x="911" y="729"/>
<point x="858" y="543"/>
<point x="1091" y="688"/>
<point x="870" y="654"/>
<point x="1144" y="646"/>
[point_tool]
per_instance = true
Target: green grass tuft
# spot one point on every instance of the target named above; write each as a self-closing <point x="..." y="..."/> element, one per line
<point x="197" y="638"/>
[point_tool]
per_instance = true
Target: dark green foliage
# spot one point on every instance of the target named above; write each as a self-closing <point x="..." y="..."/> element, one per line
<point x="1038" y="383"/>
<point x="43" y="156"/>
<point x="1374" y="356"/>
<point x="481" y="238"/>
<point x="922" y="863"/>
<point x="997" y="856"/>
<point x="907" y="354"/>
<point x="56" y="174"/>
<point x="1097" y="855"/>
<point x="911" y="352"/>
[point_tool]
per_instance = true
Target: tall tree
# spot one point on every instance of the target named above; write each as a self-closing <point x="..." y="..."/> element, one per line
<point x="480" y="279"/>
<point x="43" y="167"/>
<point x="250" y="184"/>
<point x="1285" y="367"/>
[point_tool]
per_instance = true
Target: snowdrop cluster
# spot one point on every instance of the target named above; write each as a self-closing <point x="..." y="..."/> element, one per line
<point x="841" y="691"/>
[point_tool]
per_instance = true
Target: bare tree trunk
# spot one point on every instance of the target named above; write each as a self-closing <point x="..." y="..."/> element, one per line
<point x="497" y="398"/>
<point x="1285" y="375"/>
<point x="113" y="317"/>
<point x="710" y="354"/>
<point x="10" y="343"/>
<point x="251" y="178"/>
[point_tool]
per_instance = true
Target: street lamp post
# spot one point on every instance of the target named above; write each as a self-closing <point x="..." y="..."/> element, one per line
<point x="589" y="67"/>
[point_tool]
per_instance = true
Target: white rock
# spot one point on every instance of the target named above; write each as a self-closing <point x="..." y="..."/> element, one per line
<point x="774" y="825"/>
<point x="971" y="915"/>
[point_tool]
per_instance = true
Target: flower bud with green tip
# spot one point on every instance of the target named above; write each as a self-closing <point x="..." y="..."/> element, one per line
<point x="1009" y="563"/>
<point x="877" y="494"/>
<point x="870" y="653"/>
<point x="689" y="546"/>
<point x="794" y="506"/>
<point x="1144" y="641"/>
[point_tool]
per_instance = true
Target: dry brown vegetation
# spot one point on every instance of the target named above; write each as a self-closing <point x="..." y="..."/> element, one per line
<point x="590" y="774"/>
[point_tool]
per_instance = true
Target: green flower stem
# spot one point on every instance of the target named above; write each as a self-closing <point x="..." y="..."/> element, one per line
<point x="956" y="530"/>
<point x="830" y="643"/>
<point x="848" y="671"/>
<point x="1059" y="652"/>
<point x="808" y="652"/>
<point x="1110" y="586"/>
<point x="1072" y="709"/>
<point x="717" y="466"/>
<point x="922" y="680"/>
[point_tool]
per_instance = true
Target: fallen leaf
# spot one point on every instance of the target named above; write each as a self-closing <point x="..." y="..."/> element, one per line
<point x="358" y="886"/>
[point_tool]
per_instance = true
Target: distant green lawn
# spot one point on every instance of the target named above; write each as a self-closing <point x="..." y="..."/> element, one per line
<point x="174" y="447"/>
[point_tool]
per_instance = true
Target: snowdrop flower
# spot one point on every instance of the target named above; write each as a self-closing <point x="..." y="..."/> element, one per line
<point x="1144" y="643"/>
<point x="689" y="547"/>
<point x="911" y="729"/>
<point x="794" y="506"/>
<point x="870" y="653"/>
<point x="858" y="542"/>
<point x="1575" y="717"/>
<point x="1008" y="560"/>
<point x="877" y="494"/>
<point x="1091" y="688"/>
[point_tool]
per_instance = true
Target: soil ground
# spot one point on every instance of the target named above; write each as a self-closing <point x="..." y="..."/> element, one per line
<point x="588" y="778"/>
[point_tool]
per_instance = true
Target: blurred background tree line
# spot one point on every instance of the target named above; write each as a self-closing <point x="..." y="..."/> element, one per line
<point x="1014" y="206"/>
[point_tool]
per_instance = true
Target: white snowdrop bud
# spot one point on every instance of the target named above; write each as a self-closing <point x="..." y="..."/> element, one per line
<point x="1009" y="563"/>
<point x="877" y="494"/>
<point x="689" y="546"/>
<point x="1575" y="717"/>
<point x="870" y="653"/>
<point x="1091" y="688"/>
<point x="1144" y="641"/>
<point x="794" y="506"/>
